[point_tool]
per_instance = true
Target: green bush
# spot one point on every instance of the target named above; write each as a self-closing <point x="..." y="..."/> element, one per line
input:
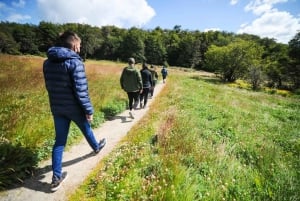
<point x="16" y="164"/>
<point x="113" y="108"/>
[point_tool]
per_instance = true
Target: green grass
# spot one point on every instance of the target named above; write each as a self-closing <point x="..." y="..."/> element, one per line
<point x="214" y="142"/>
<point x="26" y="124"/>
<point x="201" y="140"/>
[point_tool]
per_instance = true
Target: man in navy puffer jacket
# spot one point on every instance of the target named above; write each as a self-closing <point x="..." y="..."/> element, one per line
<point x="69" y="99"/>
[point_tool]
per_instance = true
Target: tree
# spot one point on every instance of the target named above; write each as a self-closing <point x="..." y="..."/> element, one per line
<point x="294" y="67"/>
<point x="8" y="44"/>
<point x="275" y="60"/>
<point x="189" y="49"/>
<point x="47" y="35"/>
<point x="26" y="36"/>
<point x="155" y="51"/>
<point x="110" y="46"/>
<point x="233" y="61"/>
<point x="171" y="43"/>
<point x="91" y="39"/>
<point x="133" y="45"/>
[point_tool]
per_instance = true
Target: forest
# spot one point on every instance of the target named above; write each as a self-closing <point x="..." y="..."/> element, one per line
<point x="261" y="62"/>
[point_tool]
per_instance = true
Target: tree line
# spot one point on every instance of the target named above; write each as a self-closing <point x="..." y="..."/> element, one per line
<point x="261" y="61"/>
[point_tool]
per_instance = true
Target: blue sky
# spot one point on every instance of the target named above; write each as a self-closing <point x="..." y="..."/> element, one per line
<point x="278" y="19"/>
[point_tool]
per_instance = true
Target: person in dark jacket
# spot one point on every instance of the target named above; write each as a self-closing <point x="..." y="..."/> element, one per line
<point x="67" y="87"/>
<point x="164" y="73"/>
<point x="131" y="83"/>
<point x="154" y="78"/>
<point x="147" y="85"/>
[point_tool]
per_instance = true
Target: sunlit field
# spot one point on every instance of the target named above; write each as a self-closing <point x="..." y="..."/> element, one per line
<point x="26" y="125"/>
<point x="203" y="140"/>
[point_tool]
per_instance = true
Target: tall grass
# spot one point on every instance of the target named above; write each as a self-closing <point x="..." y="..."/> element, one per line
<point x="205" y="141"/>
<point x="26" y="125"/>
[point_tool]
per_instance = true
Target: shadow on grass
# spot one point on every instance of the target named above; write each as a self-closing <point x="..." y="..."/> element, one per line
<point x="26" y="176"/>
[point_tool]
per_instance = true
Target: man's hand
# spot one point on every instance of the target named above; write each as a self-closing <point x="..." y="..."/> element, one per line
<point x="89" y="117"/>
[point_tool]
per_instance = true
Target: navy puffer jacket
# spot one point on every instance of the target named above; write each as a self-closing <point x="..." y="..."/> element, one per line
<point x="66" y="82"/>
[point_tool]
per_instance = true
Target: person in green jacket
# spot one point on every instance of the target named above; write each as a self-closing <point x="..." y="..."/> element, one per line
<point x="154" y="78"/>
<point x="131" y="83"/>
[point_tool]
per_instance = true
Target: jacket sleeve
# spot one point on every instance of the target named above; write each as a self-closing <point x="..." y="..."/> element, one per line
<point x="80" y="87"/>
<point x="122" y="79"/>
<point x="139" y="79"/>
<point x="151" y="80"/>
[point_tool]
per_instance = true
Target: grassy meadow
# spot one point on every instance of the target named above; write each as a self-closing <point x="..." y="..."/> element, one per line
<point x="201" y="140"/>
<point x="26" y="124"/>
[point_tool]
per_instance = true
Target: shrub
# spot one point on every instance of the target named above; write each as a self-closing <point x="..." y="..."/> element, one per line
<point x="21" y="162"/>
<point x="113" y="108"/>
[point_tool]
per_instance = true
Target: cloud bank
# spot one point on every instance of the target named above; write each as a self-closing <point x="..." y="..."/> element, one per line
<point x="270" y="22"/>
<point x="121" y="13"/>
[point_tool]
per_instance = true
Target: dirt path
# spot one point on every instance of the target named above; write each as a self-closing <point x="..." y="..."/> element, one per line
<point x="79" y="161"/>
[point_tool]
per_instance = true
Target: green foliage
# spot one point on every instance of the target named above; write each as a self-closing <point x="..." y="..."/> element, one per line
<point x="16" y="164"/>
<point x="8" y="44"/>
<point x="98" y="119"/>
<point x="294" y="68"/>
<point x="155" y="51"/>
<point x="213" y="143"/>
<point x="133" y="45"/>
<point x="113" y="108"/>
<point x="233" y="61"/>
<point x="26" y="124"/>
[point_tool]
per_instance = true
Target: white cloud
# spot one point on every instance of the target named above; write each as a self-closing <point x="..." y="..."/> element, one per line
<point x="19" y="4"/>
<point x="212" y="29"/>
<point x="271" y="23"/>
<point x="121" y="13"/>
<point x="233" y="2"/>
<point x="279" y="25"/>
<point x="259" y="7"/>
<point x="18" y="18"/>
<point x="9" y="13"/>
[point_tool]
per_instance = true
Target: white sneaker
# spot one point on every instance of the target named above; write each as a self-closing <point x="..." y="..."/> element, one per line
<point x="131" y="115"/>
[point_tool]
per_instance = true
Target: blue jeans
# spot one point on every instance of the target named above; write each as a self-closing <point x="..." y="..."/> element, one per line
<point x="62" y="125"/>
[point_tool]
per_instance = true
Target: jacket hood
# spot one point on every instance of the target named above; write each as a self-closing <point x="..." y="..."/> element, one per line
<point x="61" y="54"/>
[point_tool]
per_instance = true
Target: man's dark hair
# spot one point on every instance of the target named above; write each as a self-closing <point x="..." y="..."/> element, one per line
<point x="67" y="39"/>
<point x="131" y="61"/>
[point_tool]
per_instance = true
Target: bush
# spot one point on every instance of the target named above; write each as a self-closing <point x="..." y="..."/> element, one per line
<point x="113" y="108"/>
<point x="16" y="164"/>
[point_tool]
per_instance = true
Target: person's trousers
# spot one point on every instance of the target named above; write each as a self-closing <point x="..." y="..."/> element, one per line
<point x="133" y="98"/>
<point x="144" y="95"/>
<point x="62" y="125"/>
<point x="152" y="88"/>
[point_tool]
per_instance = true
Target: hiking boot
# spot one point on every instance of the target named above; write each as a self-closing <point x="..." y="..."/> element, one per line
<point x="102" y="143"/>
<point x="131" y="115"/>
<point x="57" y="182"/>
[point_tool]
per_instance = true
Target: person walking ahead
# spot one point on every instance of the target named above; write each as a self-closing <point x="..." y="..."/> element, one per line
<point x="164" y="73"/>
<point x="147" y="85"/>
<point x="131" y="83"/>
<point x="154" y="78"/>
<point x="67" y="87"/>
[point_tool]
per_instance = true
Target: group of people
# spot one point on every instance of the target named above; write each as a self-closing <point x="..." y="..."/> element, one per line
<point x="69" y="99"/>
<point x="139" y="85"/>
